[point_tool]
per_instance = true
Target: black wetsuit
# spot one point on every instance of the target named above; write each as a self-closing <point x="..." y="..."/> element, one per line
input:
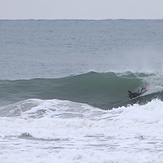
<point x="133" y="95"/>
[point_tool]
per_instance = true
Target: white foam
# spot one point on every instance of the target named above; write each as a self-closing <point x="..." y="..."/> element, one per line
<point x="91" y="135"/>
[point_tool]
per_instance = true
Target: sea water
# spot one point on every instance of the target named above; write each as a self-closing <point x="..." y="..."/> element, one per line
<point x="64" y="86"/>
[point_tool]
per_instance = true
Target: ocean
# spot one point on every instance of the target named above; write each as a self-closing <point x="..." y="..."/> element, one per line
<point x="64" y="87"/>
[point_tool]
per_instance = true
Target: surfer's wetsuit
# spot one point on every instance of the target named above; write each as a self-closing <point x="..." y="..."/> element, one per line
<point x="133" y="95"/>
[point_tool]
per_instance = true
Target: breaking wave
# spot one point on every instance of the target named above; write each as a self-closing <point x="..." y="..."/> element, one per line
<point x="102" y="90"/>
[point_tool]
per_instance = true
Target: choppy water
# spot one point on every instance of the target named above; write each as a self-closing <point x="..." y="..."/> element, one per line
<point x="64" y="90"/>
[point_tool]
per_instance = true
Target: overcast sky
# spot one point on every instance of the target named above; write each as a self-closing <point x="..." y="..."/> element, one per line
<point x="81" y="9"/>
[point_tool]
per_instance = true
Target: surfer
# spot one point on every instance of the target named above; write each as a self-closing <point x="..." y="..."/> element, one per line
<point x="132" y="95"/>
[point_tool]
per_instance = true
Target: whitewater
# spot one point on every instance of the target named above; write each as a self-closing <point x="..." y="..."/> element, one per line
<point x="63" y="131"/>
<point x="64" y="86"/>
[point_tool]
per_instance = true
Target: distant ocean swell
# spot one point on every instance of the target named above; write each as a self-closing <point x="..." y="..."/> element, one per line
<point x="102" y="90"/>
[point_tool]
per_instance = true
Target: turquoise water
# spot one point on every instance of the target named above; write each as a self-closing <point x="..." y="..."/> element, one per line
<point x="102" y="90"/>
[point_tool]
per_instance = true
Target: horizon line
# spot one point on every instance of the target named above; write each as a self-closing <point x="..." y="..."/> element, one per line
<point x="73" y="19"/>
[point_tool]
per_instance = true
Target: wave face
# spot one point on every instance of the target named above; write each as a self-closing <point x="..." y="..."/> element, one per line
<point x="103" y="90"/>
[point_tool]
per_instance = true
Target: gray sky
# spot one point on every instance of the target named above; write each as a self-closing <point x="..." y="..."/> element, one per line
<point x="81" y="9"/>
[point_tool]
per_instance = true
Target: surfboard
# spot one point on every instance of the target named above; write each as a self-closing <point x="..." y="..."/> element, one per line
<point x="144" y="89"/>
<point x="138" y="96"/>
